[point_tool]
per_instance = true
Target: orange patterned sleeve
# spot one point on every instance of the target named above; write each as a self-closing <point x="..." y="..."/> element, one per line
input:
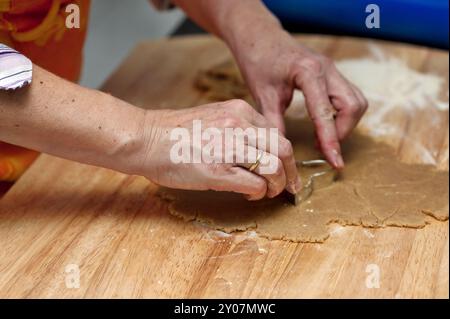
<point x="37" y="29"/>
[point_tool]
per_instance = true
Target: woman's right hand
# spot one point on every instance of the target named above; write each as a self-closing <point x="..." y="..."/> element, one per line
<point x="155" y="161"/>
<point x="95" y="128"/>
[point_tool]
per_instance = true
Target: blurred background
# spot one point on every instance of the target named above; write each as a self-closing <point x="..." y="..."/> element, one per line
<point x="116" y="25"/>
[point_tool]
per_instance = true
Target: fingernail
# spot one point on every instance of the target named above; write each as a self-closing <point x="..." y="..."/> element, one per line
<point x="338" y="160"/>
<point x="271" y="194"/>
<point x="295" y="187"/>
<point x="298" y="184"/>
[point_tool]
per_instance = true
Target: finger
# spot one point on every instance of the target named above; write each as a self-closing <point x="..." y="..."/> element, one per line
<point x="260" y="120"/>
<point x="286" y="155"/>
<point x="272" y="108"/>
<point x="346" y="102"/>
<point x="240" y="180"/>
<point x="260" y="138"/>
<point x="362" y="99"/>
<point x="280" y="147"/>
<point x="276" y="119"/>
<point x="316" y="142"/>
<point x="322" y="114"/>
<point x="270" y="168"/>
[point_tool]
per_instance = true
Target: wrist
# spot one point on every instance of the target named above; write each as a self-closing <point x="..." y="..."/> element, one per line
<point x="122" y="141"/>
<point x="139" y="154"/>
<point x="247" y="25"/>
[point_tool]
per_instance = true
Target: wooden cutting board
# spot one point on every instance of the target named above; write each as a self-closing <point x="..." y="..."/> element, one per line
<point x="64" y="219"/>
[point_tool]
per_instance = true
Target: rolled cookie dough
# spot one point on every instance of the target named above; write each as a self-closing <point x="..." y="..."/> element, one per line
<point x="374" y="190"/>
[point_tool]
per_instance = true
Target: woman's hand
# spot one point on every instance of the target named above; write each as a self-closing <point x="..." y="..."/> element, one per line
<point x="157" y="164"/>
<point x="125" y="138"/>
<point x="274" y="64"/>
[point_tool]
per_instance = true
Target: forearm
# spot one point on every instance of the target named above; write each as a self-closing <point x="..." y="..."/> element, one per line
<point x="63" y="119"/>
<point x="240" y="23"/>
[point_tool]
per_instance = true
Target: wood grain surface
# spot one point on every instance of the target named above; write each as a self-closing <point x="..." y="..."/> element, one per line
<point x="61" y="216"/>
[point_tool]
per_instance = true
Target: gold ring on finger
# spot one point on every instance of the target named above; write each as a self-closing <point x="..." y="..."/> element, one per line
<point x="256" y="164"/>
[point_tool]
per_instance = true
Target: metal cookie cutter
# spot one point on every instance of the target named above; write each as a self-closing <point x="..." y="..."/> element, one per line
<point x="323" y="178"/>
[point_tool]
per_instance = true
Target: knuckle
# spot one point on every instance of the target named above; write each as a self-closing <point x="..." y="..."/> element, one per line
<point x="221" y="105"/>
<point x="365" y="105"/>
<point x="285" y="150"/>
<point x="279" y="171"/>
<point x="354" y="107"/>
<point x="324" y="114"/>
<point x="275" y="188"/>
<point x="230" y="121"/>
<point x="260" y="187"/>
<point x="240" y="106"/>
<point x="312" y="64"/>
<point x="326" y="61"/>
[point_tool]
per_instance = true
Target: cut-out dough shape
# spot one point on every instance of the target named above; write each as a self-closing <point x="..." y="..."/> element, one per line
<point x="374" y="190"/>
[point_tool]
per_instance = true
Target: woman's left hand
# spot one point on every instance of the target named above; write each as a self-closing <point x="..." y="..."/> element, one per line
<point x="276" y="64"/>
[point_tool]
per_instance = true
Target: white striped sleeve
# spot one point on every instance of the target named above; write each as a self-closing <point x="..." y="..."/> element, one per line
<point x="15" y="69"/>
